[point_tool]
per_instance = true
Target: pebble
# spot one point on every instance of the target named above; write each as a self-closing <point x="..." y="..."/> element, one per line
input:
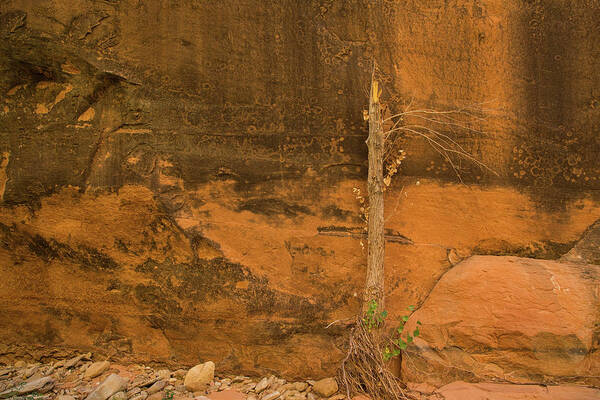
<point x="164" y="374"/>
<point x="133" y="391"/>
<point x="96" y="369"/>
<point x="73" y="362"/>
<point x="325" y="387"/>
<point x="180" y="373"/>
<point x="111" y="385"/>
<point x="271" y="396"/>
<point x="41" y="385"/>
<point x="287" y="386"/>
<point x="140" y="396"/>
<point x="225" y="381"/>
<point x="118" y="396"/>
<point x="156" y="387"/>
<point x="143" y="381"/>
<point x="291" y="394"/>
<point x="9" y="393"/>
<point x="30" y="371"/>
<point x="301" y="386"/>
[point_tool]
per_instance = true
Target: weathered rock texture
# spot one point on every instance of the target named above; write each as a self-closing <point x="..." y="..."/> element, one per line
<point x="587" y="250"/>
<point x="176" y="176"/>
<point x="509" y="319"/>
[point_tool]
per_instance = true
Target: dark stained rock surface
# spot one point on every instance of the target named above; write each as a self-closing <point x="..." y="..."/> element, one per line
<point x="176" y="176"/>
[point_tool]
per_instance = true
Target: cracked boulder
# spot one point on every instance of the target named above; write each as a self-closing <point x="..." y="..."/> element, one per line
<point x="510" y="319"/>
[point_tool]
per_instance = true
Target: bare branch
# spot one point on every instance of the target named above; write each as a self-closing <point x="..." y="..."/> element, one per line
<point x="451" y="122"/>
<point x="448" y="138"/>
<point x="470" y="111"/>
<point x="449" y="150"/>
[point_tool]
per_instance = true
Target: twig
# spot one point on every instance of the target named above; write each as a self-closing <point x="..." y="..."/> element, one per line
<point x="460" y="153"/>
<point x="338" y="321"/>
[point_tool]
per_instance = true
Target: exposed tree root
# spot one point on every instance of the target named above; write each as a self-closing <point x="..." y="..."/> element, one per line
<point x="364" y="370"/>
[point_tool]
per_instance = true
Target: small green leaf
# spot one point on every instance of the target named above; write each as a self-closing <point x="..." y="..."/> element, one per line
<point x="405" y="318"/>
<point x="419" y="323"/>
<point x="403" y="345"/>
<point x="400" y="329"/>
<point x="384" y="314"/>
<point x="411" y="308"/>
<point x="409" y="339"/>
<point x="416" y="332"/>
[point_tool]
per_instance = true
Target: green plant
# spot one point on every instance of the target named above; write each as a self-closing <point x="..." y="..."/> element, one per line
<point x="374" y="318"/>
<point x="168" y="395"/>
<point x="398" y="343"/>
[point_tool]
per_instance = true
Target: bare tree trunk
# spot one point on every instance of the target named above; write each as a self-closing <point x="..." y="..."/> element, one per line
<point x="375" y="143"/>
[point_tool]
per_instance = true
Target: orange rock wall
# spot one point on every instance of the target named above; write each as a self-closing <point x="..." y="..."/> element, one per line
<point x="176" y="176"/>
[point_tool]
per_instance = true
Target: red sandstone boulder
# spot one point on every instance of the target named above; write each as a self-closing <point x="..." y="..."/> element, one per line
<point x="518" y="319"/>
<point x="491" y="391"/>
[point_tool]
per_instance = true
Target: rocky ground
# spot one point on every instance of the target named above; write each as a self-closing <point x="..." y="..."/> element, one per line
<point x="81" y="378"/>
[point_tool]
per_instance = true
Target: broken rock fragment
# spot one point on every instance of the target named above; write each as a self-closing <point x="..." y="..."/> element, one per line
<point x="111" y="385"/>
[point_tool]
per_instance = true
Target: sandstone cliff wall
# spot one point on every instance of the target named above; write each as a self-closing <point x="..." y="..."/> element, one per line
<point x="176" y="176"/>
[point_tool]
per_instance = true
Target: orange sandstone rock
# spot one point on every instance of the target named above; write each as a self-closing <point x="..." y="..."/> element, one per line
<point x="227" y="395"/>
<point x="490" y="391"/>
<point x="509" y="318"/>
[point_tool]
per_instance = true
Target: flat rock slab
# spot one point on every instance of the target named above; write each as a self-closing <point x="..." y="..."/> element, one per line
<point x="492" y="391"/>
<point x="41" y="385"/>
<point x="227" y="395"/>
<point x="111" y="385"/>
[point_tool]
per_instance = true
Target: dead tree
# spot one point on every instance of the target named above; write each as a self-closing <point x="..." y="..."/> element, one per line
<point x="374" y="284"/>
<point x="436" y="128"/>
<point x="365" y="368"/>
